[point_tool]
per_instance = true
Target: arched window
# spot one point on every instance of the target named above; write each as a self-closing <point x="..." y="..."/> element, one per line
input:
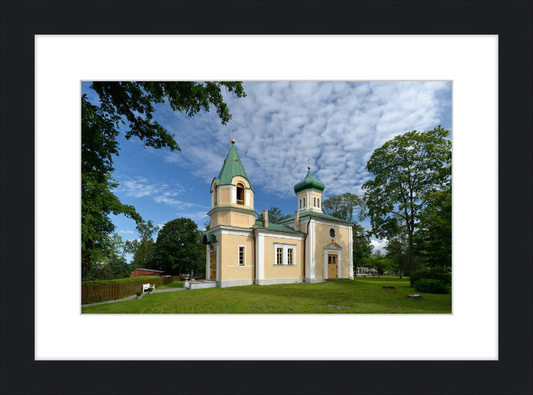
<point x="215" y="196"/>
<point x="304" y="202"/>
<point x="314" y="202"/>
<point x="318" y="202"/>
<point x="240" y="194"/>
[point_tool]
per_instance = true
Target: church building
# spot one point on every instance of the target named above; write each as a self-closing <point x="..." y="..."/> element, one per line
<point x="308" y="247"/>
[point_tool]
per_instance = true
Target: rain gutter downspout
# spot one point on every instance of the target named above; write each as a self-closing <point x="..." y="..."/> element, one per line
<point x="255" y="257"/>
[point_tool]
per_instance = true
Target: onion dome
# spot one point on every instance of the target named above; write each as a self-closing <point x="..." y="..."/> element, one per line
<point x="309" y="182"/>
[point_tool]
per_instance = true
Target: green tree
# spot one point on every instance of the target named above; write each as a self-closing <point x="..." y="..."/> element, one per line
<point x="97" y="203"/>
<point x="344" y="206"/>
<point x="362" y="247"/>
<point x="378" y="261"/>
<point x="274" y="215"/>
<point x="142" y="248"/>
<point x="433" y="239"/>
<point x="130" y="104"/>
<point x="407" y="171"/>
<point x="179" y="248"/>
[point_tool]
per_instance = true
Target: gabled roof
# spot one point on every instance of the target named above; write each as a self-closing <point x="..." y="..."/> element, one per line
<point x="231" y="168"/>
<point x="307" y="213"/>
<point x="276" y="227"/>
<point x="309" y="182"/>
<point x="333" y="246"/>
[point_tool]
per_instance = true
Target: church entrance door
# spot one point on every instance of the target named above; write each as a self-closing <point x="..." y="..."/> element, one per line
<point x="332" y="265"/>
<point x="213" y="266"/>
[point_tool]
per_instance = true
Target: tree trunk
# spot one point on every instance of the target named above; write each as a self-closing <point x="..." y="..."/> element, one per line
<point x="87" y="261"/>
<point x="410" y="251"/>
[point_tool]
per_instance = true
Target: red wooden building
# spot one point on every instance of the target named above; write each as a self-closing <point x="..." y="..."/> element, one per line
<point x="140" y="272"/>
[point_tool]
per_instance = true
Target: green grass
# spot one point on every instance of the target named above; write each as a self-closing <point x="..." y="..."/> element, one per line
<point x="175" y="284"/>
<point x="361" y="296"/>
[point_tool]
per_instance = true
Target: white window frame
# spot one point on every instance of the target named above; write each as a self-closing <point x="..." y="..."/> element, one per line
<point x="285" y="248"/>
<point x="238" y="256"/>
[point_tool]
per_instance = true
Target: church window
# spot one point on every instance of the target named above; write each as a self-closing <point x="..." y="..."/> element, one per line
<point x="279" y="259"/>
<point x="304" y="202"/>
<point x="289" y="257"/>
<point x="241" y="256"/>
<point x="314" y="202"/>
<point x="318" y="202"/>
<point x="332" y="232"/>
<point x="240" y="194"/>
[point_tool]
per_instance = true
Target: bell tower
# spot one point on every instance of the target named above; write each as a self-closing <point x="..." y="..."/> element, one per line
<point x="232" y="194"/>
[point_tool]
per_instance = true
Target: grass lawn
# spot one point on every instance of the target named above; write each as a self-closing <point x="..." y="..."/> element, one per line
<point x="175" y="284"/>
<point x="362" y="295"/>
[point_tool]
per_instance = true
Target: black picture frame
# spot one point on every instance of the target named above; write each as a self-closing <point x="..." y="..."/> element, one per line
<point x="510" y="20"/>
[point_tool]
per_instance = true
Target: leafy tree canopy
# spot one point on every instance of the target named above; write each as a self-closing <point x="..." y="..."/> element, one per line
<point x="130" y="104"/>
<point x="433" y="239"/>
<point x="142" y="247"/>
<point x="274" y="215"/>
<point x="178" y="248"/>
<point x="407" y="171"/>
<point x="344" y="206"/>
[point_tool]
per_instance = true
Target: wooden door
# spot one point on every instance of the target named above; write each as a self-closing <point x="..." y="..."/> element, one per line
<point x="213" y="266"/>
<point x="332" y="266"/>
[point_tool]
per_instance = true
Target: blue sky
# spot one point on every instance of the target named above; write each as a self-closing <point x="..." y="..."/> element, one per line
<point x="278" y="127"/>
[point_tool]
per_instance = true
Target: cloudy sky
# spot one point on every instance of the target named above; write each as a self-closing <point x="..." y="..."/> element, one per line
<point x="279" y="126"/>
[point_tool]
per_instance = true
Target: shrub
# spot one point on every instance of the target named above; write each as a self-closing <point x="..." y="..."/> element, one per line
<point x="427" y="285"/>
<point x="436" y="273"/>
<point x="138" y="293"/>
<point x="150" y="289"/>
<point x="145" y="279"/>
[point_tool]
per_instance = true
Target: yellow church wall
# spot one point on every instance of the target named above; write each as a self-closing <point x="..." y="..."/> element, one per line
<point x="273" y="271"/>
<point x="310" y="203"/>
<point x="225" y="195"/>
<point x="322" y="239"/>
<point x="214" y="221"/>
<point x="229" y="257"/>
<point x="242" y="180"/>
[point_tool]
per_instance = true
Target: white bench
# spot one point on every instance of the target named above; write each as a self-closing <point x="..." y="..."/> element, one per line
<point x="146" y="286"/>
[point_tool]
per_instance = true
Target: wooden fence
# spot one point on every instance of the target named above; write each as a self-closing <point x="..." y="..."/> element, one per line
<point x="101" y="292"/>
<point x="170" y="279"/>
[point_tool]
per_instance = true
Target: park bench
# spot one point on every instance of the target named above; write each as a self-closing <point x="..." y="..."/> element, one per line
<point x="146" y="286"/>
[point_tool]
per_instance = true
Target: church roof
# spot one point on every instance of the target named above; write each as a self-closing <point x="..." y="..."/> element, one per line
<point x="307" y="213"/>
<point x="309" y="182"/>
<point x="278" y="227"/>
<point x="231" y="168"/>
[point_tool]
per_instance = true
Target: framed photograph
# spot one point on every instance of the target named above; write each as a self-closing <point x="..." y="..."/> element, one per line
<point x="482" y="48"/>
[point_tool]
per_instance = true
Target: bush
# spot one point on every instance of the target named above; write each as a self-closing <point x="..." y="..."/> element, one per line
<point x="146" y="279"/>
<point x="138" y="293"/>
<point x="427" y="285"/>
<point x="436" y="273"/>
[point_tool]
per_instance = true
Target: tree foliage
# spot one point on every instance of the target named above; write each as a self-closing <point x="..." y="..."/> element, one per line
<point x="97" y="203"/>
<point x="274" y="215"/>
<point x="130" y="104"/>
<point x="362" y="247"/>
<point x="143" y="246"/>
<point x="407" y="171"/>
<point x="179" y="248"/>
<point x="344" y="206"/>
<point x="433" y="239"/>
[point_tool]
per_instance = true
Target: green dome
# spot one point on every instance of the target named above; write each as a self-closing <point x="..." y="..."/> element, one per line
<point x="309" y="182"/>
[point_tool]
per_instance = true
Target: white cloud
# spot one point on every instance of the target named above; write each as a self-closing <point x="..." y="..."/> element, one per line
<point x="159" y="192"/>
<point x="379" y="245"/>
<point x="279" y="125"/>
<point x="126" y="231"/>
